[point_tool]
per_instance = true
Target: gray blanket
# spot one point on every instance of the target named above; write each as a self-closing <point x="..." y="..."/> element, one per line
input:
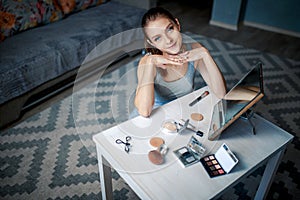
<point x="36" y="56"/>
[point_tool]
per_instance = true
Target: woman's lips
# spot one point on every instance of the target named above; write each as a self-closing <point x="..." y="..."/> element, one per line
<point x="172" y="46"/>
<point x="172" y="49"/>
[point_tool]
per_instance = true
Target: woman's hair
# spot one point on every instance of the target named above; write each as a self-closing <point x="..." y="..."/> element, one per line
<point x="151" y="15"/>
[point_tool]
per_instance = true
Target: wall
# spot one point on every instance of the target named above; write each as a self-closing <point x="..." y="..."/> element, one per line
<point x="275" y="15"/>
<point x="145" y="4"/>
<point x="226" y="13"/>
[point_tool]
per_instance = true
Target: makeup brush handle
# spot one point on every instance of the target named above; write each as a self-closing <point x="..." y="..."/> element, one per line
<point x="204" y="94"/>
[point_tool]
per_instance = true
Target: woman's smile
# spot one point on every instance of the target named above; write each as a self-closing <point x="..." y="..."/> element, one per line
<point x="173" y="50"/>
<point x="164" y="35"/>
<point x="172" y="46"/>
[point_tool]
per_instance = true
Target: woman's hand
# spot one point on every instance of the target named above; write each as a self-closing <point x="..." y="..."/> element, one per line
<point x="191" y="55"/>
<point x="162" y="61"/>
<point x="207" y="67"/>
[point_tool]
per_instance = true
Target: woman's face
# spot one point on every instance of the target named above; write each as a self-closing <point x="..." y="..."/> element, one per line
<point x="164" y="34"/>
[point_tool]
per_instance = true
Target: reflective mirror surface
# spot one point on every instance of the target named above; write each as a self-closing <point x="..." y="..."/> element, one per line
<point x="237" y="101"/>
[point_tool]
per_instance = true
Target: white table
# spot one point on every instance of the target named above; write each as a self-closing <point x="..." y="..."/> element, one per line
<point x="172" y="181"/>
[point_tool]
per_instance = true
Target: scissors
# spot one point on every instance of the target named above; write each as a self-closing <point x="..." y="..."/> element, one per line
<point x="127" y="144"/>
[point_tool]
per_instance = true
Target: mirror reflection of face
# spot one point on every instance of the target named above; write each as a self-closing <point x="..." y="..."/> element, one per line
<point x="164" y="35"/>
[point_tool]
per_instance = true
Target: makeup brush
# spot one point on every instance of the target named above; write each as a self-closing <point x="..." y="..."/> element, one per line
<point x="204" y="94"/>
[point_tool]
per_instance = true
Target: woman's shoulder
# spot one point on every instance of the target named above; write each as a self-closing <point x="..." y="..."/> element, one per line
<point x="195" y="45"/>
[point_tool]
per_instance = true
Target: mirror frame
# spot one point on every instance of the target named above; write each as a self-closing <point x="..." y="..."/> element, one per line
<point x="260" y="95"/>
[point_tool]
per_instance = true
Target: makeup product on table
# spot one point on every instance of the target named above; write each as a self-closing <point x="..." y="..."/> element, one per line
<point x="157" y="156"/>
<point x="197" y="116"/>
<point x="184" y="126"/>
<point x="191" y="153"/>
<point x="191" y="127"/>
<point x="169" y="126"/>
<point x="156" y="141"/>
<point x="127" y="144"/>
<point x="220" y="163"/>
<point x="204" y="94"/>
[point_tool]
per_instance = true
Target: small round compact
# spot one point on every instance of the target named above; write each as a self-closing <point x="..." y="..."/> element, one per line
<point x="197" y="116"/>
<point x="157" y="156"/>
<point x="169" y="126"/>
<point x="156" y="141"/>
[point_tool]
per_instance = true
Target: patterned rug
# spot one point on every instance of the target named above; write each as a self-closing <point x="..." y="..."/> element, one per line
<point x="51" y="155"/>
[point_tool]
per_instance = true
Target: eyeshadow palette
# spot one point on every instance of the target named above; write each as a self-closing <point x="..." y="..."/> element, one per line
<point x="191" y="153"/>
<point x="185" y="156"/>
<point x="220" y="163"/>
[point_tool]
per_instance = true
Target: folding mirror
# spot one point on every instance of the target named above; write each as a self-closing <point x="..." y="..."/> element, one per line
<point x="247" y="92"/>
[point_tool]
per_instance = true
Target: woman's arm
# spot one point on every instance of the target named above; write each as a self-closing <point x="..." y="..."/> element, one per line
<point x="144" y="98"/>
<point x="205" y="64"/>
<point x="210" y="72"/>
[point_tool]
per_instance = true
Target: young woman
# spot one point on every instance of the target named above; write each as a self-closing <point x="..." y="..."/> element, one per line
<point x="167" y="71"/>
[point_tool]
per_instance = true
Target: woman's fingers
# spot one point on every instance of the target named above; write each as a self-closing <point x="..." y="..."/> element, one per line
<point x="173" y="60"/>
<point x="163" y="61"/>
<point x="169" y="62"/>
<point x="177" y="58"/>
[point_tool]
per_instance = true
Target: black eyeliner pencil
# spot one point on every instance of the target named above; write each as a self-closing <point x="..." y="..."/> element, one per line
<point x="204" y="94"/>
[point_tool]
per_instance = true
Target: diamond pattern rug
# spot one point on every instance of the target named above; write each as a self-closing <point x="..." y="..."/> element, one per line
<point x="51" y="155"/>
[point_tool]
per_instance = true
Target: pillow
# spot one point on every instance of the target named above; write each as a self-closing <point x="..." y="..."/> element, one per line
<point x="50" y="11"/>
<point x="16" y="16"/>
<point x="70" y="6"/>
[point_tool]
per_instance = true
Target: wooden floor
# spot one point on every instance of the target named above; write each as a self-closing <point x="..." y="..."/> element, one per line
<point x="195" y="18"/>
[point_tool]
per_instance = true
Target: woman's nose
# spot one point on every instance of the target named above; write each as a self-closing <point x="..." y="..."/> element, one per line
<point x="168" y="39"/>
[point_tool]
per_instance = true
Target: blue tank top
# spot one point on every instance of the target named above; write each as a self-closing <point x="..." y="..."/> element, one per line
<point x="168" y="91"/>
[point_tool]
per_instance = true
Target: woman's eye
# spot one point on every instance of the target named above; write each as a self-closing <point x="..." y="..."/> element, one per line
<point x="171" y="28"/>
<point x="156" y="39"/>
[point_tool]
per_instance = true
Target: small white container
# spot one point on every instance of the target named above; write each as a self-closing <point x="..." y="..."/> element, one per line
<point x="169" y="126"/>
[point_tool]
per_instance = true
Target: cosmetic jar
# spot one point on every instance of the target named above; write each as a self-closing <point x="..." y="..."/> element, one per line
<point x="157" y="156"/>
<point x="169" y="126"/>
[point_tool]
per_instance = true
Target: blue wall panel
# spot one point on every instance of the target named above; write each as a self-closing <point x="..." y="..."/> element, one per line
<point x="226" y="11"/>
<point x="275" y="15"/>
<point x="283" y="14"/>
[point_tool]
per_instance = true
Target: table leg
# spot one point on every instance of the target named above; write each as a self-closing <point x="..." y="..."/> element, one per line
<point x="105" y="177"/>
<point x="268" y="175"/>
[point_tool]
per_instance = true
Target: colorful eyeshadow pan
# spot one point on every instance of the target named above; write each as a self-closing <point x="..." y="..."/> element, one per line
<point x="219" y="163"/>
<point x="212" y="166"/>
<point x="190" y="159"/>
